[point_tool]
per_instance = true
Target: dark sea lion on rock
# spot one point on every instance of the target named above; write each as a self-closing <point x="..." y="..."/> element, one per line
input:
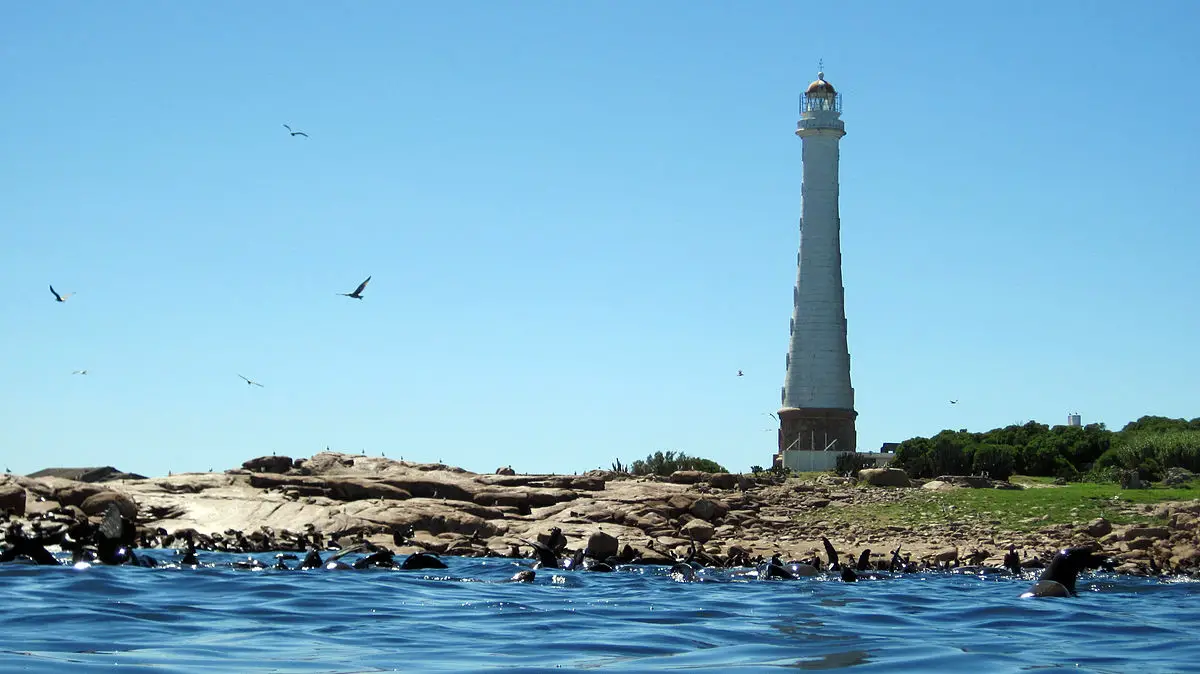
<point x="1058" y="580"/>
<point x="422" y="560"/>
<point x="380" y="558"/>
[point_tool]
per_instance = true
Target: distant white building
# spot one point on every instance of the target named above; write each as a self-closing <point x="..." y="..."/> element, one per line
<point x="1073" y="419"/>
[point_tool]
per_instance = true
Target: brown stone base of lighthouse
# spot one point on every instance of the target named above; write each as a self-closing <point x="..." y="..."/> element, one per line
<point x="816" y="429"/>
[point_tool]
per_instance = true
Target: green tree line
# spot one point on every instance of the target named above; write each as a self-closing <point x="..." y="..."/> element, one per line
<point x="1151" y="445"/>
<point x="665" y="463"/>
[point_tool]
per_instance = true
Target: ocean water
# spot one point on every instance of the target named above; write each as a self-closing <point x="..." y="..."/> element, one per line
<point x="638" y="619"/>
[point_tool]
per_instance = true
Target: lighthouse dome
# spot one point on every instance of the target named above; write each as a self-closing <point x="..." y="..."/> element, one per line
<point x="820" y="87"/>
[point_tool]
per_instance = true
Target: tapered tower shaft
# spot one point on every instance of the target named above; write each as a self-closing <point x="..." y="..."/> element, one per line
<point x="818" y="401"/>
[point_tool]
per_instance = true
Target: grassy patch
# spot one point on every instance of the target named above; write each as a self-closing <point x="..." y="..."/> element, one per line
<point x="1014" y="510"/>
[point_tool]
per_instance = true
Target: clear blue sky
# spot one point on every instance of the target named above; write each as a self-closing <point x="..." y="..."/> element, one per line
<point x="581" y="220"/>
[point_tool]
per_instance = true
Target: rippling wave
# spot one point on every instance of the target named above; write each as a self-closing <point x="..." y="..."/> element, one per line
<point x="469" y="618"/>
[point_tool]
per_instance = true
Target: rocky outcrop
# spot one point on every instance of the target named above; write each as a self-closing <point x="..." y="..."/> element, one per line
<point x="278" y="501"/>
<point x="269" y="464"/>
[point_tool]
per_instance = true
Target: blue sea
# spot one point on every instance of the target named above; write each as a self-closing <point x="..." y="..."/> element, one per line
<point x="638" y="619"/>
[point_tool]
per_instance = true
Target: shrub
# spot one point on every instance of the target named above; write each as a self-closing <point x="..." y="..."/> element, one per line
<point x="997" y="461"/>
<point x="850" y="463"/>
<point x="660" y="463"/>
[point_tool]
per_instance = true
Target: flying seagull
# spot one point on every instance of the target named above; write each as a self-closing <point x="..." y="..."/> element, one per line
<point x="357" y="294"/>
<point x="79" y="372"/>
<point x="60" y="298"/>
<point x="739" y="373"/>
<point x="953" y="402"/>
<point x="295" y="133"/>
<point x="250" y="382"/>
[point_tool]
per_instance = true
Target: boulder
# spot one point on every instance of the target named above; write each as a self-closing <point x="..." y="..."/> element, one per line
<point x="601" y="545"/>
<point x="97" y="504"/>
<point x="708" y="510"/>
<point x="75" y="493"/>
<point x="12" y="499"/>
<point x="1099" y="527"/>
<point x="936" y="485"/>
<point x="680" y="503"/>
<point x="946" y="555"/>
<point x="686" y="477"/>
<point x="884" y="477"/>
<point x="698" y="530"/>
<point x="1177" y="476"/>
<point x="1153" y="533"/>
<point x="723" y="481"/>
<point x="268" y="464"/>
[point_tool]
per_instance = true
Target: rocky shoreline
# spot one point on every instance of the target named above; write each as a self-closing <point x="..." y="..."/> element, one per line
<point x="276" y="502"/>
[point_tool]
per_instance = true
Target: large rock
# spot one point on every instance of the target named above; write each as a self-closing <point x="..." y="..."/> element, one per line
<point x="97" y="504"/>
<point x="708" y="510"/>
<point x="12" y="499"/>
<point x="884" y="477"/>
<point x="358" y="488"/>
<point x="75" y="493"/>
<point x="269" y="464"/>
<point x="1099" y="527"/>
<point x="698" y="530"/>
<point x="686" y="477"/>
<point x="601" y="545"/>
<point x="723" y="481"/>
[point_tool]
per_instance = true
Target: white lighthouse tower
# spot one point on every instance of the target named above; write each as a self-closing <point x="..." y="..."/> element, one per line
<point x="818" y="402"/>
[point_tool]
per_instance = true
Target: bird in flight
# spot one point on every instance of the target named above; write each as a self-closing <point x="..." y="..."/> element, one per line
<point x="739" y="373"/>
<point x="79" y="372"/>
<point x="295" y="133"/>
<point x="250" y="382"/>
<point x="357" y="294"/>
<point x="60" y="298"/>
<point x="953" y="402"/>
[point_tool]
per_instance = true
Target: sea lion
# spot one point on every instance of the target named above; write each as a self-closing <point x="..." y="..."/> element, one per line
<point x="422" y="560"/>
<point x="1058" y="580"/>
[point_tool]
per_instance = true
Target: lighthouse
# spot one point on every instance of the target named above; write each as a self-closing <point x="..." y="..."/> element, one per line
<point x="817" y="411"/>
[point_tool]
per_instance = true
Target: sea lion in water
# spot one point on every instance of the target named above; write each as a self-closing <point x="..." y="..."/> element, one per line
<point x="1058" y="580"/>
<point x="422" y="560"/>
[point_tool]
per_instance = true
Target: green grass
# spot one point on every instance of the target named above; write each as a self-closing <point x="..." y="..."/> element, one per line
<point x="1016" y="510"/>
